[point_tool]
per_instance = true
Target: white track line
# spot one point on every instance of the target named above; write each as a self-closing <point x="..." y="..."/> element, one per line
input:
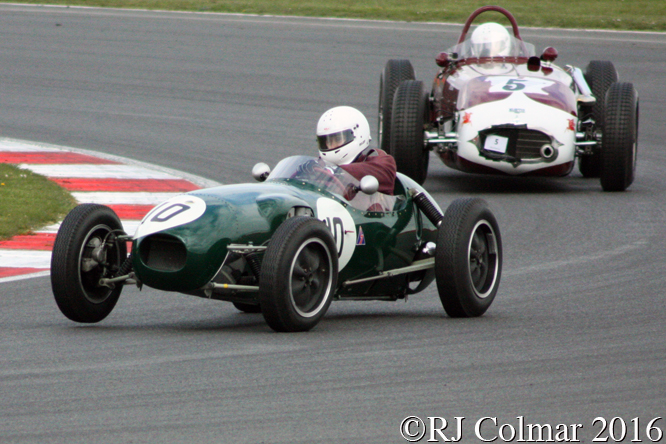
<point x="22" y="145"/>
<point x="129" y="226"/>
<point x="25" y="258"/>
<point x="96" y="171"/>
<point x="118" y="198"/>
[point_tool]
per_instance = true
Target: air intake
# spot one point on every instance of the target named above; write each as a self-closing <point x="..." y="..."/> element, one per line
<point x="163" y="253"/>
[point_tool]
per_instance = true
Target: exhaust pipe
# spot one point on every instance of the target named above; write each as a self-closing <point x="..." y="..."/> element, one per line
<point x="547" y="152"/>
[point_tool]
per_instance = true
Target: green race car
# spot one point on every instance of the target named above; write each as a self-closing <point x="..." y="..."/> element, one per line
<point x="307" y="234"/>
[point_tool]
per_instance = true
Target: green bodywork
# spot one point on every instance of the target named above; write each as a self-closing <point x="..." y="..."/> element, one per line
<point x="249" y="214"/>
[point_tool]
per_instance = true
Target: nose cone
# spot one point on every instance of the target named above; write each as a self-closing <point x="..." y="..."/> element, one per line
<point x="178" y="249"/>
<point x="184" y="257"/>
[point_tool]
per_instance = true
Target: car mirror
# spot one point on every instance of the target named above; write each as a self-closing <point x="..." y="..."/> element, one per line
<point x="369" y="184"/>
<point x="261" y="171"/>
<point x="533" y="63"/>
<point x="442" y="60"/>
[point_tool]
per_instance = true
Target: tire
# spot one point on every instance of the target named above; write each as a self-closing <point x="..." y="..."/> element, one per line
<point x="76" y="288"/>
<point x="468" y="259"/>
<point x="408" y="123"/>
<point x="620" y="138"/>
<point x="287" y="303"/>
<point x="395" y="72"/>
<point x="247" y="308"/>
<point x="599" y="75"/>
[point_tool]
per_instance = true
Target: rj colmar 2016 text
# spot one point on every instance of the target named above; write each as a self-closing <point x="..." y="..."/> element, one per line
<point x="491" y="429"/>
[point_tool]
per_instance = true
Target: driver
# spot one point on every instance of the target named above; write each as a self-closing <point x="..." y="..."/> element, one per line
<point x="491" y="40"/>
<point x="343" y="134"/>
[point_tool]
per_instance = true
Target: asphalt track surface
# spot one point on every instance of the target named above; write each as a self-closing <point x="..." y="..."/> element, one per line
<point x="576" y="332"/>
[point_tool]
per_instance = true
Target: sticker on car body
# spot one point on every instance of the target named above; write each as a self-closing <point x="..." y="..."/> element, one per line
<point x="339" y="221"/>
<point x="527" y="85"/>
<point x="178" y="210"/>
<point x="497" y="144"/>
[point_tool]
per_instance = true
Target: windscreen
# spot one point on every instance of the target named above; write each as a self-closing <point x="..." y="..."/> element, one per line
<point x="326" y="176"/>
<point x="517" y="48"/>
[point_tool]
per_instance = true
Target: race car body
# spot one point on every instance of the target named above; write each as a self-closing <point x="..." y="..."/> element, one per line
<point x="502" y="128"/>
<point x="364" y="228"/>
<point x="307" y="234"/>
<point x="507" y="111"/>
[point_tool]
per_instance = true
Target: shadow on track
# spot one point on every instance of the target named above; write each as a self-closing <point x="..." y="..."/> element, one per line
<point x="442" y="181"/>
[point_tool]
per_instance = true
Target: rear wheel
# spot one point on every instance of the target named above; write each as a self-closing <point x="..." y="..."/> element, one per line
<point x="620" y="138"/>
<point x="468" y="259"/>
<point x="85" y="251"/>
<point x="599" y="75"/>
<point x="395" y="72"/>
<point x="410" y="109"/>
<point x="298" y="275"/>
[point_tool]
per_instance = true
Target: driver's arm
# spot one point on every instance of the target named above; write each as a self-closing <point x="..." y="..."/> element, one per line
<point x="382" y="166"/>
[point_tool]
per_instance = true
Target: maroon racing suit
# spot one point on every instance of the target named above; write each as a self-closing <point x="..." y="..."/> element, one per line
<point x="374" y="162"/>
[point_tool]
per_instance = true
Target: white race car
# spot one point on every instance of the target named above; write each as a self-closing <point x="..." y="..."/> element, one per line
<point x="497" y="108"/>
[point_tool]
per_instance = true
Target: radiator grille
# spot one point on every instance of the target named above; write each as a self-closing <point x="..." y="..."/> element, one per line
<point x="523" y="144"/>
<point x="529" y="143"/>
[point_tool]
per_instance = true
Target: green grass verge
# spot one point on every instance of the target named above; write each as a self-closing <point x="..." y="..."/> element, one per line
<point x="645" y="15"/>
<point x="29" y="201"/>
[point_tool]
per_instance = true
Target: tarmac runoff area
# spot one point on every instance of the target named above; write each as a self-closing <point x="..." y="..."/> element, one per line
<point x="130" y="188"/>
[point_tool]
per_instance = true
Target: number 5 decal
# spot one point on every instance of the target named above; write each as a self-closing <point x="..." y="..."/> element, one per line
<point x="514" y="85"/>
<point x="527" y="85"/>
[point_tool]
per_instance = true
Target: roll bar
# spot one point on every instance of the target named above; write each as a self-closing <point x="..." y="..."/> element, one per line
<point x="499" y="9"/>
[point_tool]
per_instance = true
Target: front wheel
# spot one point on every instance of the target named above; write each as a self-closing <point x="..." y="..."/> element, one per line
<point x="468" y="258"/>
<point x="86" y="249"/>
<point x="410" y="113"/>
<point x="298" y="275"/>
<point x="599" y="75"/>
<point x="619" y="140"/>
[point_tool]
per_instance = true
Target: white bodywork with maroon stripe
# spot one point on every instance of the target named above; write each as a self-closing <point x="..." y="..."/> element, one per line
<point x="498" y="107"/>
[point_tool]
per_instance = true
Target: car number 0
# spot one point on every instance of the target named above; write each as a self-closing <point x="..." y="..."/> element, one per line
<point x="338" y="230"/>
<point x="341" y="225"/>
<point x="177" y="209"/>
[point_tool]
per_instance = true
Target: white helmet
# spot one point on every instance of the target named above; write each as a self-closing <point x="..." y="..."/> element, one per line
<point x="342" y="132"/>
<point x="490" y="40"/>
